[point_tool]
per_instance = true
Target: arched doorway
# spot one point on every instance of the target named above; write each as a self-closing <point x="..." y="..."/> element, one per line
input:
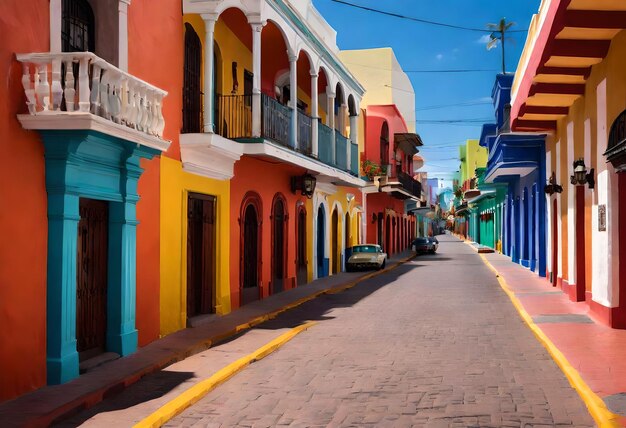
<point x="192" y="91"/>
<point x="200" y="254"/>
<point x="301" y="258"/>
<point x="334" y="242"/>
<point x="388" y="235"/>
<point x="279" y="245"/>
<point x="77" y="26"/>
<point x="347" y="234"/>
<point x="321" y="240"/>
<point x="251" y="248"/>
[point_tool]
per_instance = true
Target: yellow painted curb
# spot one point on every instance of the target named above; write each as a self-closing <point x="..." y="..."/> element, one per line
<point x="199" y="390"/>
<point x="597" y="409"/>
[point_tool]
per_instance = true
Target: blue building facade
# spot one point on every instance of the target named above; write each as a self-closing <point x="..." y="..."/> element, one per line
<point x="517" y="162"/>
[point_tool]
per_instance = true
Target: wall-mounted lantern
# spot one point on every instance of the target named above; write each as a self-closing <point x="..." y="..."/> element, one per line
<point x="581" y="176"/>
<point x="552" y="187"/>
<point x="306" y="183"/>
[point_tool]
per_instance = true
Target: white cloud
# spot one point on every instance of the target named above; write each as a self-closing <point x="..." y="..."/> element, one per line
<point x="484" y="39"/>
<point x="439" y="57"/>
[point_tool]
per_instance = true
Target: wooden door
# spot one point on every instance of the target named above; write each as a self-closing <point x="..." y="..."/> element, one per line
<point x="321" y="240"/>
<point x="200" y="254"/>
<point x="301" y="262"/>
<point x="250" y="284"/>
<point x="278" y="246"/>
<point x="91" y="278"/>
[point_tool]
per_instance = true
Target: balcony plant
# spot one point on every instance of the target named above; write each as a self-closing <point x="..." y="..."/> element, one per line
<point x="372" y="169"/>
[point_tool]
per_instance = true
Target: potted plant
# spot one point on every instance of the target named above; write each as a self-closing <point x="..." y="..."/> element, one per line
<point x="372" y="169"/>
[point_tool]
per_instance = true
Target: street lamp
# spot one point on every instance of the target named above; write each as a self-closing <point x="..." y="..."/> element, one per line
<point x="581" y="176"/>
<point x="306" y="183"/>
<point x="552" y="187"/>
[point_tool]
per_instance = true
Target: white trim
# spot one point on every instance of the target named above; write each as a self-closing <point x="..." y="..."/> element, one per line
<point x="122" y="44"/>
<point x="209" y="155"/>
<point x="571" y="210"/>
<point x="88" y="121"/>
<point x="56" y="16"/>
<point x="287" y="155"/>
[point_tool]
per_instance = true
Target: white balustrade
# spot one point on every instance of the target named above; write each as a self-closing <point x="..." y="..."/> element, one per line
<point x="82" y="82"/>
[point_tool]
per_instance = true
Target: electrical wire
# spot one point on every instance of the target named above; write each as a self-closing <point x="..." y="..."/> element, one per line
<point x="423" y="21"/>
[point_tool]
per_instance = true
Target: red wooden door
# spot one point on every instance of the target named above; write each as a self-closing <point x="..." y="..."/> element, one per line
<point x="200" y="254"/>
<point x="278" y="250"/>
<point x="301" y="261"/>
<point x="91" y="278"/>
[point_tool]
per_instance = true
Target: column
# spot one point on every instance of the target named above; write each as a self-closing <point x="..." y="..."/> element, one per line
<point x="56" y="18"/>
<point x="123" y="34"/>
<point x="330" y="121"/>
<point x="353" y="140"/>
<point x="314" y="115"/>
<point x="257" y="27"/>
<point x="209" y="90"/>
<point x="293" y="92"/>
<point x="61" y="355"/>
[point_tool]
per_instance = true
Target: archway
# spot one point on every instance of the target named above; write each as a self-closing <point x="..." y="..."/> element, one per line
<point x="192" y="90"/>
<point x="388" y="235"/>
<point x="301" y="257"/>
<point x="334" y="242"/>
<point x="250" y="248"/>
<point x="279" y="244"/>
<point x="321" y="240"/>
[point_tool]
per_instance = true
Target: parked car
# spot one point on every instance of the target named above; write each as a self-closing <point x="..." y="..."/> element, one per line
<point x="425" y="245"/>
<point x="366" y="256"/>
<point x="435" y="243"/>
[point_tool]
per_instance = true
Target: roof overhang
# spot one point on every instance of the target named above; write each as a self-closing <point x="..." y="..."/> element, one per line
<point x="484" y="194"/>
<point x="573" y="36"/>
<point x="502" y="170"/>
<point x="408" y="142"/>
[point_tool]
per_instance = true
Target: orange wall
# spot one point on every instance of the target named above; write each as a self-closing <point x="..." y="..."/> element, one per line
<point x="251" y="175"/>
<point x="159" y="29"/>
<point x="167" y="75"/>
<point x="23" y="209"/>
<point x="148" y="253"/>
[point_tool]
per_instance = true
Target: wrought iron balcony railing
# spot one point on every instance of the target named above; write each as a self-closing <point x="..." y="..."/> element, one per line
<point x="410" y="185"/>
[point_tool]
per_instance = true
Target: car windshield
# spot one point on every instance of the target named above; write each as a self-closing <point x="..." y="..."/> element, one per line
<point x="365" y="249"/>
<point x="421" y="241"/>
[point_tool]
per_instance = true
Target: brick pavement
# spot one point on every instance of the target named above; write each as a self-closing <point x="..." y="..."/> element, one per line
<point x="433" y="343"/>
<point x="58" y="402"/>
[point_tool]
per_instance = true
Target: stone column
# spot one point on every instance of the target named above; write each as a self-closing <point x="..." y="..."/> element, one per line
<point x="257" y="27"/>
<point x="209" y="90"/>
<point x="293" y="91"/>
<point x="353" y="140"/>
<point x="314" y="115"/>
<point x="330" y="121"/>
<point x="61" y="355"/>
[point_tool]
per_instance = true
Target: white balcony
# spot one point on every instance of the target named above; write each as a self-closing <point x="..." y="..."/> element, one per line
<point x="80" y="91"/>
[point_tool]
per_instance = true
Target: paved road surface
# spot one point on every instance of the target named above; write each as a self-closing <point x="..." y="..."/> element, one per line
<point x="433" y="343"/>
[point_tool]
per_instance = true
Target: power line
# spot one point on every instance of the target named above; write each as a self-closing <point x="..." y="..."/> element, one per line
<point x="465" y="104"/>
<point x="423" y="21"/>
<point x="472" y="120"/>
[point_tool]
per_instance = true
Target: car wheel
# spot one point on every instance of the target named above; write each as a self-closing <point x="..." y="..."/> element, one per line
<point x="382" y="266"/>
<point x="349" y="268"/>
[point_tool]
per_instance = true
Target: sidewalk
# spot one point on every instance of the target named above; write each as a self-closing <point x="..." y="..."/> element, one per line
<point x="596" y="351"/>
<point x="55" y="403"/>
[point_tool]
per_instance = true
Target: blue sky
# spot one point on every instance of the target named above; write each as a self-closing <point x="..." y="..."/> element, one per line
<point x="426" y="47"/>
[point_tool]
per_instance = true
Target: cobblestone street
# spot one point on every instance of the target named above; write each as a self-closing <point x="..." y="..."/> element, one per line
<point x="432" y="343"/>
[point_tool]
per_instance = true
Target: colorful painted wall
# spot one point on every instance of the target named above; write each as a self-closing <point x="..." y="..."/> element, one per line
<point x="23" y="247"/>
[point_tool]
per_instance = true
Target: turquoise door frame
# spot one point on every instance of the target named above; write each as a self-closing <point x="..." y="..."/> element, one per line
<point x="94" y="165"/>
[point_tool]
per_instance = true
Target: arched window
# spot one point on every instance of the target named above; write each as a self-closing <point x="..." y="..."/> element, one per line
<point x="192" y="99"/>
<point x="615" y="152"/>
<point x="250" y="247"/>
<point x="77" y="26"/>
<point x="384" y="144"/>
